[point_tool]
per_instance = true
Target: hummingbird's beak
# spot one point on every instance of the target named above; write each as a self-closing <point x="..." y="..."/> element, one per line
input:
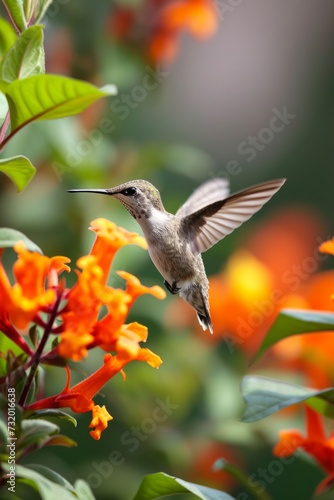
<point x="99" y="191"/>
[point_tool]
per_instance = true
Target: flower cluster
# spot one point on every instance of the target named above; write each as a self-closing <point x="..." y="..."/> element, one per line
<point x="72" y="316"/>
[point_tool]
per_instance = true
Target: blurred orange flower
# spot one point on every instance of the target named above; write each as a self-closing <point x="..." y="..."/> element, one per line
<point x="199" y="457"/>
<point x="312" y="354"/>
<point x="158" y="25"/>
<point x="314" y="443"/>
<point x="198" y="17"/>
<point x="327" y="247"/>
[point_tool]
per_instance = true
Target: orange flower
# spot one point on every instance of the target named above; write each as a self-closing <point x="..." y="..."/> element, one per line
<point x="22" y="301"/>
<point x="204" y="454"/>
<point x="109" y="239"/>
<point x="311" y="354"/>
<point x="327" y="247"/>
<point x="100" y="419"/>
<point x="163" y="46"/>
<point x="198" y="17"/>
<point x="81" y="328"/>
<point x="120" y="22"/>
<point x="80" y="313"/>
<point x="110" y="332"/>
<point x="314" y="443"/>
<point x="135" y="289"/>
<point x="159" y="24"/>
<point x="80" y="397"/>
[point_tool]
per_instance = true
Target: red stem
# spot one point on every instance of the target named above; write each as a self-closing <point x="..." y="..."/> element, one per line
<point x="36" y="358"/>
<point x="4" y="127"/>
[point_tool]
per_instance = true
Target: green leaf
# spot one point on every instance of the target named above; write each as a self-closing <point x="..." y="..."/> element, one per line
<point x="29" y="7"/>
<point x="9" y="237"/>
<point x="35" y="432"/>
<point x="15" y="8"/>
<point x="60" y="440"/>
<point x="83" y="490"/>
<point x="46" y="488"/>
<point x="3" y="425"/>
<point x="7" y="36"/>
<point x="19" y="169"/>
<point x="53" y="413"/>
<point x="293" y="322"/>
<point x="48" y="97"/>
<point x="264" y="396"/>
<point x="160" y="484"/>
<point x="41" y="9"/>
<point x="26" y="57"/>
<point x="51" y="475"/>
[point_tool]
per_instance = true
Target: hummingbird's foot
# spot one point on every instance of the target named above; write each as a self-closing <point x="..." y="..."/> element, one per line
<point x="174" y="289"/>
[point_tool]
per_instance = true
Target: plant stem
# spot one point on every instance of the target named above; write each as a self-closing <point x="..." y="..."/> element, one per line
<point x="250" y="485"/>
<point x="10" y="16"/>
<point x="4" y="127"/>
<point x="35" y="360"/>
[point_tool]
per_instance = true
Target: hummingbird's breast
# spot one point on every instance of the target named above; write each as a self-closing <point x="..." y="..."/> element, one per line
<point x="170" y="252"/>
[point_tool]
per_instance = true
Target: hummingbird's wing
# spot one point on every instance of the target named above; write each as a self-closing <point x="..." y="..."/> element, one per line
<point x="213" y="222"/>
<point x="216" y="189"/>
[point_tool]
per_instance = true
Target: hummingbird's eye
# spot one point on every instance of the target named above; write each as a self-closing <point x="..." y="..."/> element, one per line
<point x="129" y="191"/>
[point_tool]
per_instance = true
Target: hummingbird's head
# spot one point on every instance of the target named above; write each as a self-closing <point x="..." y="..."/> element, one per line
<point x="139" y="197"/>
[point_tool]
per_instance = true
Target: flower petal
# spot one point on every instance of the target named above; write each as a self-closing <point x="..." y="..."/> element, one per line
<point x="135" y="288"/>
<point x="327" y="247"/>
<point x="100" y="419"/>
<point x="109" y="239"/>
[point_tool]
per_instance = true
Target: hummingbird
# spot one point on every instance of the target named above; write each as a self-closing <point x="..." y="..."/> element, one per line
<point x="176" y="242"/>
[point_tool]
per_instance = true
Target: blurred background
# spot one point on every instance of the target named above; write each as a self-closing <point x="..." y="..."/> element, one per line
<point x="242" y="90"/>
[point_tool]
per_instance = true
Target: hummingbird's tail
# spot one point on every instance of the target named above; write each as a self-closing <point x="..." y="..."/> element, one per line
<point x="205" y="322"/>
<point x="204" y="317"/>
<point x="197" y="297"/>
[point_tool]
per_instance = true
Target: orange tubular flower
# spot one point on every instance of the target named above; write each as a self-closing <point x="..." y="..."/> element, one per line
<point x="111" y="333"/>
<point x="109" y="239"/>
<point x="315" y="443"/>
<point x="80" y="397"/>
<point x="22" y="301"/>
<point x="81" y="328"/>
<point x="134" y="288"/>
